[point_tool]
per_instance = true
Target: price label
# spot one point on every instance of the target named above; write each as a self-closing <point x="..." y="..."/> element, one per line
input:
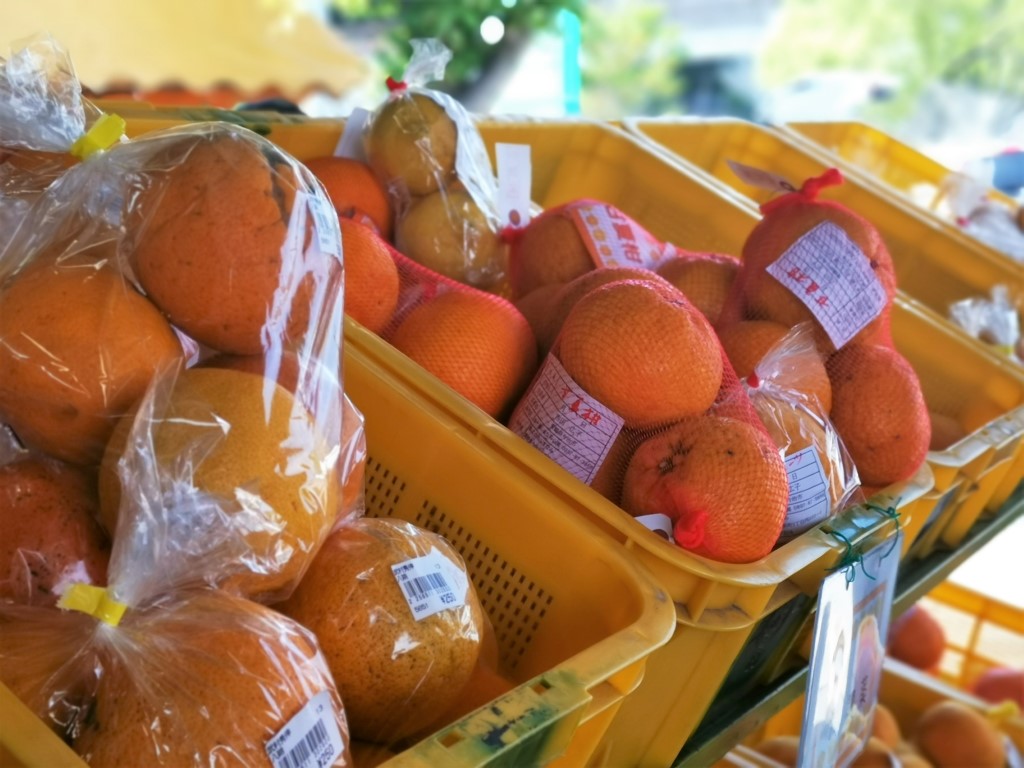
<point x="847" y="652"/>
<point x="311" y="739"/>
<point x="431" y="584"/>
<point x="514" y="179"/>
<point x="565" y="423"/>
<point x="833" y="278"/>
<point x="615" y="240"/>
<point x="809" y="498"/>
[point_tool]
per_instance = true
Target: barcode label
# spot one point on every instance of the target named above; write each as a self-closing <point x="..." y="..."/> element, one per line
<point x="431" y="584"/>
<point x="325" y="225"/>
<point x="311" y="739"/>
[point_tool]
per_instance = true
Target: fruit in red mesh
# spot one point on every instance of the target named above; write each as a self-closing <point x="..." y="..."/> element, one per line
<point x="879" y="411"/>
<point x="536" y="307"/>
<point x="765" y="298"/>
<point x="78" y="347"/>
<point x="1000" y="684"/>
<point x="643" y="351"/>
<point x="411" y="144"/>
<point x="396" y="674"/>
<point x="705" y="278"/>
<point x="917" y="638"/>
<point x="477" y="343"/>
<point x="722" y="482"/>
<point x="550" y="249"/>
<point x="51" y="538"/>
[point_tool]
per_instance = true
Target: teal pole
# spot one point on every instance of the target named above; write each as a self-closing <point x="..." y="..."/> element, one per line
<point x="571" y="75"/>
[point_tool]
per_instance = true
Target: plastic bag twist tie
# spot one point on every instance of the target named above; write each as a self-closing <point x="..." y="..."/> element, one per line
<point x="105" y="132"/>
<point x="95" y="601"/>
<point x="808" y="191"/>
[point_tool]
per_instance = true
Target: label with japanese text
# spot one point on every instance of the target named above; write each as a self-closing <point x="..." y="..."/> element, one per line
<point x="431" y="584"/>
<point x="566" y="424"/>
<point x="760" y="178"/>
<point x="311" y="739"/>
<point x="809" y="498"/>
<point x="615" y="240"/>
<point x="514" y="179"/>
<point x="833" y="278"/>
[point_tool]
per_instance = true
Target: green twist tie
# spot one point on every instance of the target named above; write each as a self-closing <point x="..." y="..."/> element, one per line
<point x="893" y="515"/>
<point x="849" y="560"/>
<point x="106" y="131"/>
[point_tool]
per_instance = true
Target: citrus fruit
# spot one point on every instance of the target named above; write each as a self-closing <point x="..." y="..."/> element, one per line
<point x="476" y="343"/>
<point x="917" y="638"/>
<point x="705" y="278"/>
<point x="643" y="351"/>
<point x="952" y="735"/>
<point x="719" y="479"/>
<point x="550" y="249"/>
<point x="395" y="673"/>
<point x="411" y="143"/>
<point x="371" y="277"/>
<point x="354" y="190"/>
<point x="78" y="347"/>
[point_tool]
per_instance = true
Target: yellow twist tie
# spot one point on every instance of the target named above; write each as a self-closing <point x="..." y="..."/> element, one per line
<point x="1000" y="713"/>
<point x="95" y="601"/>
<point x="106" y="131"/>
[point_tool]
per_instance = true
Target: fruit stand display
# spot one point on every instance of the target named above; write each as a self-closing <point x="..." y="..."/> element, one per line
<point x="588" y="535"/>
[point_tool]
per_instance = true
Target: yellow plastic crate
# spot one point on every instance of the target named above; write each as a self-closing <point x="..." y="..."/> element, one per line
<point x="885" y="159"/>
<point x="907" y="692"/>
<point x="981" y="632"/>
<point x="575" y="638"/>
<point x="936" y="263"/>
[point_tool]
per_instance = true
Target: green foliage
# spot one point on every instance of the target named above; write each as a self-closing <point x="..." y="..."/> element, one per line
<point x="457" y="25"/>
<point x="969" y="42"/>
<point x="632" y="61"/>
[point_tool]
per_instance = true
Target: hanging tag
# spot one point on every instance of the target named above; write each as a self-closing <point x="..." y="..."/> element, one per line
<point x="311" y="739"/>
<point x="514" y="179"/>
<point x="615" y="240"/>
<point x="760" y="178"/>
<point x="847" y="652"/>
<point x="833" y="278"/>
<point x="566" y="424"/>
<point x="351" y="142"/>
<point x="431" y="584"/>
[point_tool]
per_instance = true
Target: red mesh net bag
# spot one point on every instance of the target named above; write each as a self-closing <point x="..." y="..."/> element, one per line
<point x="815" y="261"/>
<point x="637" y="399"/>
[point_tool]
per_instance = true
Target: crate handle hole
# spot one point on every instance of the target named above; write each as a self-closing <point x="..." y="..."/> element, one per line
<point x="450" y="739"/>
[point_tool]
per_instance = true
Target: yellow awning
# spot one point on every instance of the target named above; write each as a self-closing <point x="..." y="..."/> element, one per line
<point x="252" y="45"/>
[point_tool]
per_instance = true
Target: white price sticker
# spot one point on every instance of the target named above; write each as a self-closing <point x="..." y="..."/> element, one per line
<point x="567" y="425"/>
<point x="760" y="178"/>
<point x="351" y="142"/>
<point x="514" y="179"/>
<point x="615" y="240"/>
<point x="431" y="584"/>
<point x="311" y="739"/>
<point x="828" y="272"/>
<point x="809" y="499"/>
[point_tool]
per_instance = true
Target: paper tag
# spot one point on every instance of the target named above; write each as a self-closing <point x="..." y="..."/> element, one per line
<point x="828" y="272"/>
<point x="758" y="177"/>
<point x="809" y="498"/>
<point x="659" y="523"/>
<point x="325" y="223"/>
<point x="514" y="179"/>
<point x="311" y="739"/>
<point x="567" y="425"/>
<point x="615" y="240"/>
<point x="350" y="144"/>
<point x="847" y="652"/>
<point x="431" y="584"/>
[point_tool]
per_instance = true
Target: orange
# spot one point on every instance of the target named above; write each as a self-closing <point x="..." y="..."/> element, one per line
<point x="879" y="411"/>
<point x="211" y="244"/>
<point x="885" y="727"/>
<point x="477" y="343"/>
<point x="223" y="434"/>
<point x="51" y="539"/>
<point x="579" y="287"/>
<point x="768" y="299"/>
<point x="411" y="143"/>
<point x="945" y="431"/>
<point x="354" y="190"/>
<point x="917" y="638"/>
<point x="549" y="249"/>
<point x="371" y="277"/>
<point x="797" y="366"/>
<point x="78" y="348"/>
<point x="705" y="278"/>
<point x="396" y="674"/>
<point x="643" y="351"/>
<point x="205" y="676"/>
<point x="536" y="307"/>
<point x="449" y="233"/>
<point x="1000" y="684"/>
<point x="952" y="735"/>
<point x="721" y="481"/>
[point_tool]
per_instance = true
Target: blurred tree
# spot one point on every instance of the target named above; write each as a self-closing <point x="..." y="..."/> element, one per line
<point x="632" y="61"/>
<point x="477" y="66"/>
<point x="979" y="43"/>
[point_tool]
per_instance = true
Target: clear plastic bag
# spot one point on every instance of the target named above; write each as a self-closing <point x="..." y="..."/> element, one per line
<point x="994" y="320"/>
<point x="424" y="147"/>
